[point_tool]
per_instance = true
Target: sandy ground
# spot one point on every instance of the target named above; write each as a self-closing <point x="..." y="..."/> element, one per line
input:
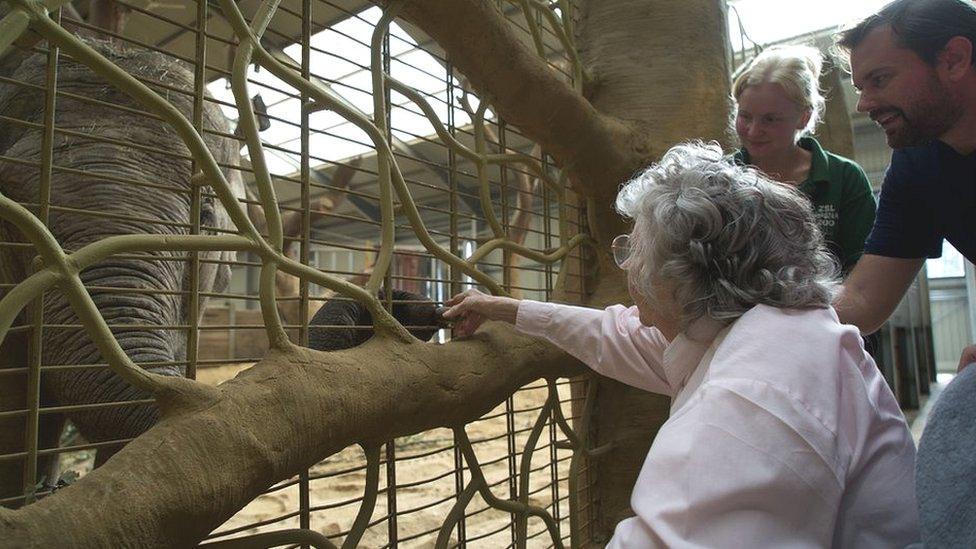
<point x="426" y="479"/>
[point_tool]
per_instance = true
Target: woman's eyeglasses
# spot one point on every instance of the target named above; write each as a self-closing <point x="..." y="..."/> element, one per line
<point x="621" y="249"/>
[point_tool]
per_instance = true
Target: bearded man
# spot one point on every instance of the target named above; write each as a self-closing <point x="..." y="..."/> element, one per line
<point x="914" y="65"/>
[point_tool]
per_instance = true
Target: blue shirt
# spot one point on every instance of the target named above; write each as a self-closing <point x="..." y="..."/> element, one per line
<point x="929" y="194"/>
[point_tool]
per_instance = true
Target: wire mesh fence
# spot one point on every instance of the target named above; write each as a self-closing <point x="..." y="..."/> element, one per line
<point x="89" y="162"/>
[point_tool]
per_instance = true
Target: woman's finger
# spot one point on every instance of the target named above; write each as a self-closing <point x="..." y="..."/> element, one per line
<point x="455" y="311"/>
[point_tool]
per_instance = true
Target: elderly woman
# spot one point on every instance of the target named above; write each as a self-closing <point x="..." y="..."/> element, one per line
<point x="782" y="433"/>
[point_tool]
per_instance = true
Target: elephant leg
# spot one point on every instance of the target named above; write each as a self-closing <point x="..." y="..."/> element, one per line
<point x="13" y="439"/>
<point x="13" y="429"/>
<point x="105" y="453"/>
<point x="49" y="436"/>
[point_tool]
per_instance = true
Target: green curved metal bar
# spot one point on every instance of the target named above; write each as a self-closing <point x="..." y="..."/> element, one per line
<point x="297" y="536"/>
<point x="575" y="440"/>
<point x="559" y="30"/>
<point x="541" y="257"/>
<point x="383" y="322"/>
<point x="578" y="444"/>
<point x="456" y="514"/>
<point x="432" y="117"/>
<point x="575" y="531"/>
<point x="526" y="160"/>
<point x="370" y="491"/>
<point x="518" y="158"/>
<point x="525" y="469"/>
<point x="15" y="23"/>
<point x="567" y="17"/>
<point x="531" y="163"/>
<point x="410" y="210"/>
<point x="248" y="123"/>
<point x="11" y="27"/>
<point x="484" y="188"/>
<point x="32" y="228"/>
<point x="565" y="39"/>
<point x="127" y="243"/>
<point x="494" y="501"/>
<point x="384" y="160"/>
<point x="278" y="339"/>
<point x="533" y="28"/>
<point x="83" y="306"/>
<point x="14" y="302"/>
<point x="21" y="295"/>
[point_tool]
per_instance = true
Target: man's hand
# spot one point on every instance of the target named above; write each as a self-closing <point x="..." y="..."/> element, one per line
<point x="470" y="309"/>
<point x="968" y="357"/>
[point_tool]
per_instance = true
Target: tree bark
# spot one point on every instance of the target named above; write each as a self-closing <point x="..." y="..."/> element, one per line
<point x="664" y="66"/>
<point x="835" y="132"/>
<point x="218" y="448"/>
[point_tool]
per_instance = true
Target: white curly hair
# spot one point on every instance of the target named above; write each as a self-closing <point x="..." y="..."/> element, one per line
<point x="723" y="238"/>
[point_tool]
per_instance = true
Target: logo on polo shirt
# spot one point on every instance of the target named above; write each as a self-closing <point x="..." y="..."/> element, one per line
<point x="826" y="216"/>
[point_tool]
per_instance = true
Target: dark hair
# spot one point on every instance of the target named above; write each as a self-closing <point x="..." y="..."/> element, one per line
<point x="923" y="26"/>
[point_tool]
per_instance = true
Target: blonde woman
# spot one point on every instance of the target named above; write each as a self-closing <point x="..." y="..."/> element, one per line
<point x="777" y="104"/>
<point x="782" y="432"/>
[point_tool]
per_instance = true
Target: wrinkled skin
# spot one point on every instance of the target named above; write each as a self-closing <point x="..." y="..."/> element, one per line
<point x="165" y="209"/>
<point x="421" y="318"/>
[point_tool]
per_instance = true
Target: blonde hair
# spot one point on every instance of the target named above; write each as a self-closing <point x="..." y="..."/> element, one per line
<point x="796" y="69"/>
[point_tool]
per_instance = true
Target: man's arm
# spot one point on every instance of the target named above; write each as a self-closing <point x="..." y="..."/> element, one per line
<point x="873" y="290"/>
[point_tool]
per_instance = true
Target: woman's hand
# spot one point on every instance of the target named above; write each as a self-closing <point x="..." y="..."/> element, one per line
<point x="470" y="309"/>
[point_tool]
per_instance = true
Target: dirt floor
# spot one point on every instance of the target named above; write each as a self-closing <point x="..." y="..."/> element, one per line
<point x="427" y="481"/>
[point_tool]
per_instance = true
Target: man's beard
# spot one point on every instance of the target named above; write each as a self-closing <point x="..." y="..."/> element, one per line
<point x="928" y="117"/>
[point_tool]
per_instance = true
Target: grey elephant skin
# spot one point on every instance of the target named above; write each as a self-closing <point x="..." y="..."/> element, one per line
<point x="117" y="171"/>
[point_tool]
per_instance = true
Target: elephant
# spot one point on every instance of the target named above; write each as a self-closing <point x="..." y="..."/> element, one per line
<point x="133" y="171"/>
<point x="414" y="311"/>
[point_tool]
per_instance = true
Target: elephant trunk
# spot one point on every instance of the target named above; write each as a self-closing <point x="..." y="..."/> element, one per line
<point x="147" y="325"/>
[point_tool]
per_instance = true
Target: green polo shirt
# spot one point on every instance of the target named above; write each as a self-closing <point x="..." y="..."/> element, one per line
<point x="842" y="200"/>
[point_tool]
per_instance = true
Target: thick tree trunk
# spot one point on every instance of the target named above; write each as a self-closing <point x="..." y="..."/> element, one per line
<point x="835" y="132"/>
<point x="664" y="66"/>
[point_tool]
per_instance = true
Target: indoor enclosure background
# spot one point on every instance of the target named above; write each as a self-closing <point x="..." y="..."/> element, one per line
<point x="325" y="171"/>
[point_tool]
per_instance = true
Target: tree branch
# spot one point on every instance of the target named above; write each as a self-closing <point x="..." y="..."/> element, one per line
<point x="208" y="457"/>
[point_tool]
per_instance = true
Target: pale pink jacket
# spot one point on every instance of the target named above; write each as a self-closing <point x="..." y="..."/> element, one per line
<point x="782" y="431"/>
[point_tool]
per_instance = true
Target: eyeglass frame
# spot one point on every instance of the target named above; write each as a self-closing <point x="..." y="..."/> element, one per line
<point x="620" y="248"/>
